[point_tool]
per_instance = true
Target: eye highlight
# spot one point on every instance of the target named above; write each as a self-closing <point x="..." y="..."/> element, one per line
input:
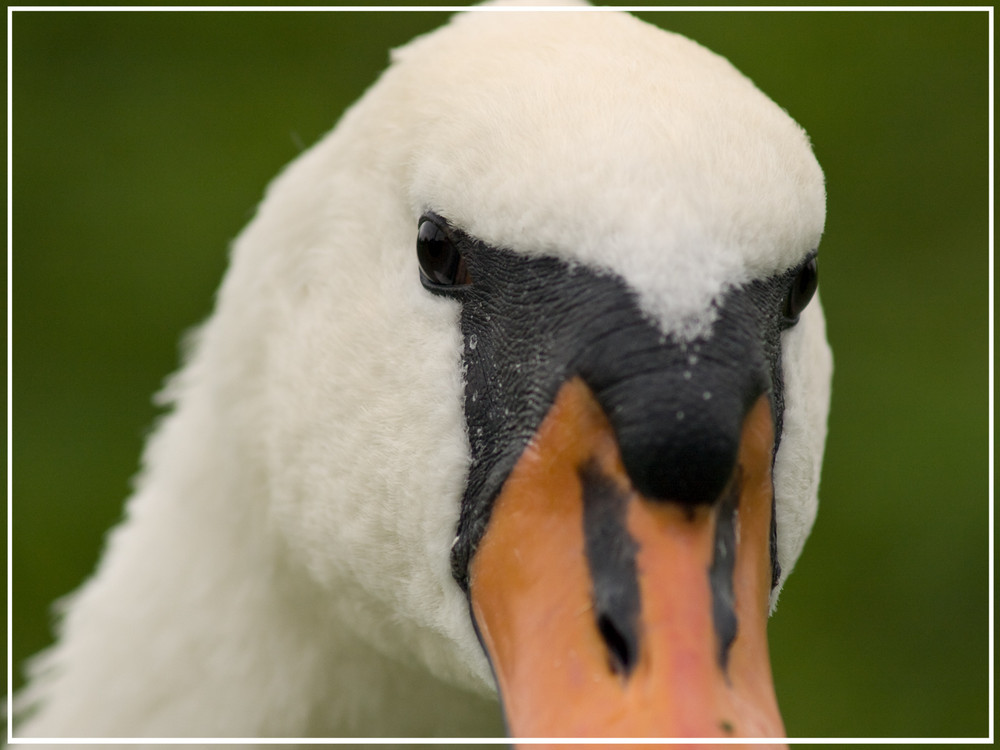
<point x="441" y="261"/>
<point x="801" y="291"/>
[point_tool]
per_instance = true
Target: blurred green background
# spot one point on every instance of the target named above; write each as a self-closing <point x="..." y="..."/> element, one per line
<point x="143" y="141"/>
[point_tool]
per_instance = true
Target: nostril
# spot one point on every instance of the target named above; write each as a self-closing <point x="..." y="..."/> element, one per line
<point x="621" y="654"/>
<point x="610" y="552"/>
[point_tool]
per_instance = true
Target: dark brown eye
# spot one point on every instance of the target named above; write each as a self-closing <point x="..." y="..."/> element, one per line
<point x="802" y="290"/>
<point x="441" y="261"/>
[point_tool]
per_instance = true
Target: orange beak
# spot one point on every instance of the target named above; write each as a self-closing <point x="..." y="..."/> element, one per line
<point x="607" y="614"/>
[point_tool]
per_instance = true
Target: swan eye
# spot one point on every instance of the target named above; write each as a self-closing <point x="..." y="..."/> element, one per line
<point x="802" y="290"/>
<point x="441" y="261"/>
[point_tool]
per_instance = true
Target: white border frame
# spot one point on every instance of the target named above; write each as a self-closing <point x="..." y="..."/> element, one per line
<point x="488" y="740"/>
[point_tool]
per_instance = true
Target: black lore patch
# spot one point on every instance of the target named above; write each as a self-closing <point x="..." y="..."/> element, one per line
<point x="529" y="324"/>
<point x="610" y="552"/>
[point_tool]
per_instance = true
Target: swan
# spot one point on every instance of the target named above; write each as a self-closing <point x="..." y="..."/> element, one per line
<point x="509" y="417"/>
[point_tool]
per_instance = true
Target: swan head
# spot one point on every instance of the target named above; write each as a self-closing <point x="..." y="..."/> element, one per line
<point x="525" y="353"/>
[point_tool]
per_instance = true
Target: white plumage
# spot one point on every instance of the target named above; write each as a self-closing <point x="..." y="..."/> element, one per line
<point x="283" y="568"/>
